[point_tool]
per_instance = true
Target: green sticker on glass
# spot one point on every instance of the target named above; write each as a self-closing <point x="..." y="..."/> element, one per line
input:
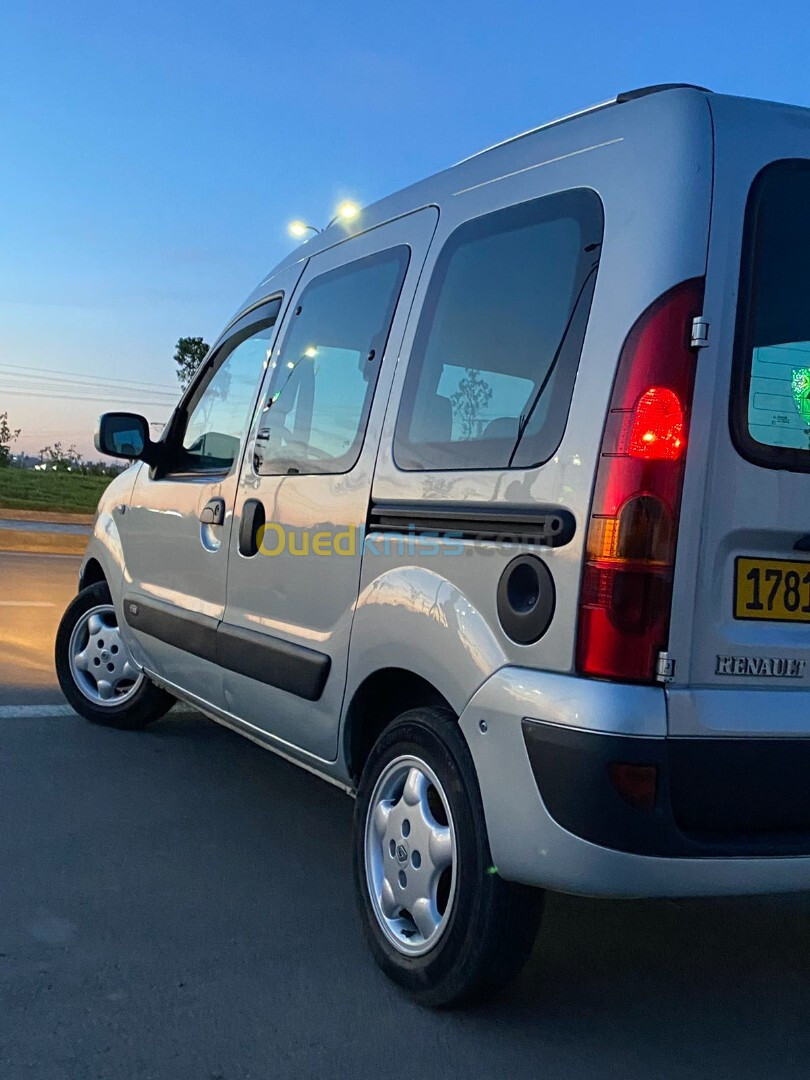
<point x="800" y="388"/>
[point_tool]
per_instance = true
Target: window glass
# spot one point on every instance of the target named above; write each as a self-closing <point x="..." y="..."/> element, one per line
<point x="776" y="370"/>
<point x="496" y="351"/>
<point x="324" y="375"/>
<point x="478" y="398"/>
<point x="221" y="416"/>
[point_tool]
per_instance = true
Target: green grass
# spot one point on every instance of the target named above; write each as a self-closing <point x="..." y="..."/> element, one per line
<point x="71" y="493"/>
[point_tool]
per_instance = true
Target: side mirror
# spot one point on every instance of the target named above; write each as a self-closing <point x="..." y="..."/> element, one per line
<point x="125" y="435"/>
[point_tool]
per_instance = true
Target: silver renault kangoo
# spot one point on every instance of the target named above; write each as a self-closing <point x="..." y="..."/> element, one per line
<point x="492" y="507"/>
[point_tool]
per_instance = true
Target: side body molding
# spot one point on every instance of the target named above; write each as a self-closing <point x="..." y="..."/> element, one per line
<point x="271" y="660"/>
<point x="188" y="630"/>
<point x="284" y="664"/>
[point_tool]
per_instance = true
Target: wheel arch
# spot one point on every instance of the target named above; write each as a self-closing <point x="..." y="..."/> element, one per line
<point x="91" y="573"/>
<point x="376" y="703"/>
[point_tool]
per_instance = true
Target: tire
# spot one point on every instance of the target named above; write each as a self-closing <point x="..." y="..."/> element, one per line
<point x="487" y="926"/>
<point x="92" y="658"/>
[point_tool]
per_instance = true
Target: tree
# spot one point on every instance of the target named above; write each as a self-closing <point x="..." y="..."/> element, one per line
<point x="470" y="400"/>
<point x="7" y="437"/>
<point x="188" y="355"/>
<point x="61" y="458"/>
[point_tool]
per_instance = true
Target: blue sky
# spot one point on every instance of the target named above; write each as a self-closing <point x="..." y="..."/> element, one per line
<point x="151" y="154"/>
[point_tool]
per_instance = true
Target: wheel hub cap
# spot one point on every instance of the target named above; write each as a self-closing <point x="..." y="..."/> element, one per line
<point x="100" y="662"/>
<point x="410" y="848"/>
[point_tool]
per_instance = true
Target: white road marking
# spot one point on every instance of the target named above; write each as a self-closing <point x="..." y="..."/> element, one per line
<point x="26" y="712"/>
<point x="25" y="603"/>
<point x="38" y="555"/>
<point x="47" y="712"/>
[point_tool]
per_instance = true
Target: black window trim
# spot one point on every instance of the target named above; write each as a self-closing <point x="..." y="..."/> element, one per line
<point x="260" y="316"/>
<point x="405" y="252"/>
<point x="426" y="316"/>
<point x="784" y="458"/>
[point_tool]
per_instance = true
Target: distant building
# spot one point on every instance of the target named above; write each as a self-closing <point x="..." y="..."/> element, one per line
<point x="24" y="461"/>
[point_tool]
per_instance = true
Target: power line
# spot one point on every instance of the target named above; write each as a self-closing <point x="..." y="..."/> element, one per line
<point x="38" y="382"/>
<point x="69" y="395"/>
<point x="105" y="400"/>
<point x="25" y="382"/>
<point x="109" y="400"/>
<point x="85" y="393"/>
<point x="35" y="372"/>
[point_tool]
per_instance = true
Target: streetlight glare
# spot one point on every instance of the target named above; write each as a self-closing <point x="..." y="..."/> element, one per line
<point x="300" y="228"/>
<point x="347" y="210"/>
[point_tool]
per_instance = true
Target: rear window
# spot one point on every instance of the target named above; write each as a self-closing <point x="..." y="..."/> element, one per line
<point x="771" y="414"/>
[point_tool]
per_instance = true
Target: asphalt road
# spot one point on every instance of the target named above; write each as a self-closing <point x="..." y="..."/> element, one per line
<point x="176" y="904"/>
<point x="34" y="591"/>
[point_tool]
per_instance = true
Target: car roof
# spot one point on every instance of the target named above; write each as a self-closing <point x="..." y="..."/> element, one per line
<point x="564" y="136"/>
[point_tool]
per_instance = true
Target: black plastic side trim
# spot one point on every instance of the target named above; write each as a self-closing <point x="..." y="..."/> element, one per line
<point x="271" y="660"/>
<point x="548" y="526"/>
<point x="715" y="797"/>
<point x="186" y="630"/>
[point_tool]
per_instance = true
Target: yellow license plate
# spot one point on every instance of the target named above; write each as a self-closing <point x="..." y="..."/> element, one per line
<point x="777" y="590"/>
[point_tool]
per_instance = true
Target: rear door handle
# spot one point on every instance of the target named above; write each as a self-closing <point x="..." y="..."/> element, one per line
<point x="213" y="513"/>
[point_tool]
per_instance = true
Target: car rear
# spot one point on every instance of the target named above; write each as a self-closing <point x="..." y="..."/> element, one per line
<point x="675" y="760"/>
<point x="739" y="699"/>
<point x="697" y="570"/>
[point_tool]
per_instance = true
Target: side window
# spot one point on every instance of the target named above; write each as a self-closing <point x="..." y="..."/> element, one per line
<point x="220" y="413"/>
<point x="497" y="347"/>
<point x="324" y="376"/>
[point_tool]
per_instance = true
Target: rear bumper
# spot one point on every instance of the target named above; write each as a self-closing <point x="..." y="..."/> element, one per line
<point x="747" y="712"/>
<point x="675" y="797"/>
<point x="730" y="816"/>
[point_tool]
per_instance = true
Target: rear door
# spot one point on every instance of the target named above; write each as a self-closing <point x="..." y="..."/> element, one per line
<point x="741" y="618"/>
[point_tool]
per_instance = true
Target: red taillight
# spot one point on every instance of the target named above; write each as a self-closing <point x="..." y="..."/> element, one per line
<point x="627" y="580"/>
<point x="657" y="432"/>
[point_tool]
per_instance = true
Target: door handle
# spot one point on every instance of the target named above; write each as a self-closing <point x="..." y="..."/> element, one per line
<point x="213" y="513"/>
<point x="250" y="523"/>
<point x="263" y="434"/>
